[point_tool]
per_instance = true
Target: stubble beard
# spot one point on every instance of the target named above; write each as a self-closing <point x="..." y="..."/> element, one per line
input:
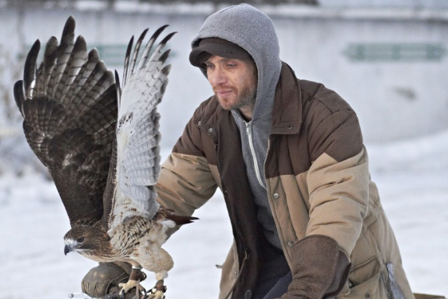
<point x="246" y="99"/>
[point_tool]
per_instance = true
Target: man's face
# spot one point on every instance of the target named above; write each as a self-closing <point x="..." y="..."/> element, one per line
<point x="234" y="83"/>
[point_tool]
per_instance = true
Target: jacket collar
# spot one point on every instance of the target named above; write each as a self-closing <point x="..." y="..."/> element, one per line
<point x="287" y="110"/>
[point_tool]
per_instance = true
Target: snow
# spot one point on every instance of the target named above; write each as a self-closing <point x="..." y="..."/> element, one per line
<point x="412" y="176"/>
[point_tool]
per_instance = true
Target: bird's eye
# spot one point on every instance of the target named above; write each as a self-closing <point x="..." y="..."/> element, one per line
<point x="80" y="240"/>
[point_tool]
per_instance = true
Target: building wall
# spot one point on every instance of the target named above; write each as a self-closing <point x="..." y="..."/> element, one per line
<point x="396" y="95"/>
<point x="390" y="65"/>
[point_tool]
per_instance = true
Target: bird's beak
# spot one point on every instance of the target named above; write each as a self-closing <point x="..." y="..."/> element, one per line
<point x="67" y="249"/>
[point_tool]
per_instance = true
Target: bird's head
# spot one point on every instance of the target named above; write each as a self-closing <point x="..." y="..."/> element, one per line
<point x="80" y="239"/>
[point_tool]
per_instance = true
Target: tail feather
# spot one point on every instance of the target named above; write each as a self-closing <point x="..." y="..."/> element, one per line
<point x="181" y="220"/>
<point x="168" y="214"/>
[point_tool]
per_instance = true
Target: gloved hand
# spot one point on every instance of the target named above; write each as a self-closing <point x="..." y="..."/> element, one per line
<point x="321" y="269"/>
<point x="104" y="279"/>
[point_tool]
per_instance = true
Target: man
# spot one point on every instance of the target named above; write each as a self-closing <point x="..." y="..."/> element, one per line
<point x="288" y="156"/>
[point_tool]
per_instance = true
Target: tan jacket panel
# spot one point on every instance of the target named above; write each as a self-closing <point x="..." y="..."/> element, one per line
<point x="185" y="183"/>
<point x="230" y="273"/>
<point x="338" y="198"/>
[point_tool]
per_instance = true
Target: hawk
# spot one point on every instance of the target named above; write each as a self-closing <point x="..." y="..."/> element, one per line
<point x="100" y="143"/>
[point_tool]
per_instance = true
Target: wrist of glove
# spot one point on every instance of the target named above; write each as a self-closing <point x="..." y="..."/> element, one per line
<point x="104" y="279"/>
<point x="321" y="269"/>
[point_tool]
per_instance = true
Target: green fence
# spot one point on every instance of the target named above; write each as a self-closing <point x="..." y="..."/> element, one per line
<point x="372" y="52"/>
<point x="113" y="54"/>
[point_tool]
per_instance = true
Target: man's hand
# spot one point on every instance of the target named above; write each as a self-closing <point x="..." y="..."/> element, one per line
<point x="321" y="269"/>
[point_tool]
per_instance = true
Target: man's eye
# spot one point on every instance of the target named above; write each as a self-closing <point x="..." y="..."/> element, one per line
<point x="231" y="65"/>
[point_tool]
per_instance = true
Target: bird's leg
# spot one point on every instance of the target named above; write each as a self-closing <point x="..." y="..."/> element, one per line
<point x="158" y="291"/>
<point x="134" y="281"/>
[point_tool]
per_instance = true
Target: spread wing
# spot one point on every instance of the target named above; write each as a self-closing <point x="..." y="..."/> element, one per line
<point x="137" y="159"/>
<point x="69" y="106"/>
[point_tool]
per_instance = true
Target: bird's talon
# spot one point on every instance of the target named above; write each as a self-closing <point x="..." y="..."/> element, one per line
<point x="158" y="291"/>
<point x="126" y="287"/>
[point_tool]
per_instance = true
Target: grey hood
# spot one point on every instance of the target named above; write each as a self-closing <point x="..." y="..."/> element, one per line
<point x="253" y="31"/>
<point x="241" y="25"/>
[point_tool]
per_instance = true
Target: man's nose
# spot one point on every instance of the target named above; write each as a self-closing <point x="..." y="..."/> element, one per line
<point x="217" y="77"/>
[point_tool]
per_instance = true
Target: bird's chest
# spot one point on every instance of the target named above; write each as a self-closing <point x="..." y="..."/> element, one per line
<point x="100" y="257"/>
<point x="132" y="233"/>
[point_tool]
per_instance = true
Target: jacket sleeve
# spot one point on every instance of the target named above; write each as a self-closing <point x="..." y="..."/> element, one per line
<point x="338" y="179"/>
<point x="186" y="182"/>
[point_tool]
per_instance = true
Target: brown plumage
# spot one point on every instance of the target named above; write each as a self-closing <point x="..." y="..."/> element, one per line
<point x="100" y="143"/>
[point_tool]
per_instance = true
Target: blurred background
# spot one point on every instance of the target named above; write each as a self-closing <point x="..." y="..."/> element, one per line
<point x="387" y="58"/>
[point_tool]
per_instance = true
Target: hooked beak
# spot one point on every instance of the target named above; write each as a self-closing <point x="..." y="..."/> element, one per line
<point x="67" y="249"/>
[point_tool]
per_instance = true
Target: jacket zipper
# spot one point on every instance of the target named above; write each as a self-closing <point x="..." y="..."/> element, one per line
<point x="252" y="151"/>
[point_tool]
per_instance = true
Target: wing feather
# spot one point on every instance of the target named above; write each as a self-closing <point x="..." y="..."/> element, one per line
<point x="29" y="75"/>
<point x="45" y="69"/>
<point x="18" y="95"/>
<point x="69" y="106"/>
<point x="138" y="44"/>
<point x="148" y="47"/>
<point x="127" y="60"/>
<point x="138" y="136"/>
<point x="75" y="94"/>
<point x="64" y="51"/>
<point x="77" y="59"/>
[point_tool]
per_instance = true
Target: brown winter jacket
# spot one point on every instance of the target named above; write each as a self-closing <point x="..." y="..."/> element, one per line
<point x="317" y="182"/>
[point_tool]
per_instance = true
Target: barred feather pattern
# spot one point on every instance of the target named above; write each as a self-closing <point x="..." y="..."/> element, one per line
<point x="69" y="106"/>
<point x="141" y="239"/>
<point x="138" y="133"/>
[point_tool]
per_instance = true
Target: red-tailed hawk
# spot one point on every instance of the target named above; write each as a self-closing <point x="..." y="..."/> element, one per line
<point x="100" y="144"/>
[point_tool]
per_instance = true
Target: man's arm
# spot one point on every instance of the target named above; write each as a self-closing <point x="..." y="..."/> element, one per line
<point x="186" y="181"/>
<point x="338" y="184"/>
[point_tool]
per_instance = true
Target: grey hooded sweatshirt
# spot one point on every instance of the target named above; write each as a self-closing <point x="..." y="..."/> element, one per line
<point x="253" y="31"/>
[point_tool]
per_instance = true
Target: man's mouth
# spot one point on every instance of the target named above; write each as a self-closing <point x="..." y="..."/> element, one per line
<point x="223" y="92"/>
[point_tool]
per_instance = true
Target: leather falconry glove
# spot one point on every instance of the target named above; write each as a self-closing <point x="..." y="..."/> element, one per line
<point x="104" y="279"/>
<point x="321" y="269"/>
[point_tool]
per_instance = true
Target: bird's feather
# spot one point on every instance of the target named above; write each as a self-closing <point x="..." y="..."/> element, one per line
<point x="69" y="107"/>
<point x="100" y="143"/>
<point x="138" y="136"/>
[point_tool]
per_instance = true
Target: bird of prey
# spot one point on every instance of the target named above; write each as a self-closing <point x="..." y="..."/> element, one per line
<point x="100" y="143"/>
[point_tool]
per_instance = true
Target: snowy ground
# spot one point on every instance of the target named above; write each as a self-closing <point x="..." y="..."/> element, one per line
<point x="413" y="181"/>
